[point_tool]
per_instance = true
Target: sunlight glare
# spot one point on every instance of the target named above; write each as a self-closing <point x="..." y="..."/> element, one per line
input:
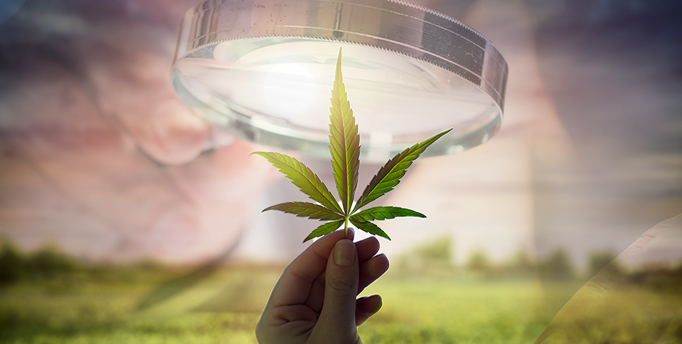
<point x="289" y="89"/>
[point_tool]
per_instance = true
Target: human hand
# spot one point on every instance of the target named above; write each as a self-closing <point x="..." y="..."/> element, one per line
<point x="314" y="300"/>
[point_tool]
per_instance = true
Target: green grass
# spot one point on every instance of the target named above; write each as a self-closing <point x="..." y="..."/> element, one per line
<point x="631" y="314"/>
<point x="225" y="308"/>
<point x="452" y="310"/>
<point x="105" y="311"/>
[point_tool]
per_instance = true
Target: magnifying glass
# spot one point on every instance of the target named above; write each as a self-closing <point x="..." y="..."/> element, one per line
<point x="263" y="70"/>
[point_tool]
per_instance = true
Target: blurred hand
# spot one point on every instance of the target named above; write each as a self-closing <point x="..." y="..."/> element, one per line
<point x="99" y="155"/>
<point x="575" y="321"/>
<point x="315" y="298"/>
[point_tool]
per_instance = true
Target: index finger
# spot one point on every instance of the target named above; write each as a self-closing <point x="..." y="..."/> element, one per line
<point x="296" y="281"/>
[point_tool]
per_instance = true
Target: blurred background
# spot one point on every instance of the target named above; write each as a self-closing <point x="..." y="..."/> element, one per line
<point x="126" y="218"/>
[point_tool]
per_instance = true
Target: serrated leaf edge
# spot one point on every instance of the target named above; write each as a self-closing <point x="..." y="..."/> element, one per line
<point x="395" y="168"/>
<point x="324" y="229"/>
<point x="306" y="209"/>
<point x="322" y="194"/>
<point x="370" y="228"/>
<point x="344" y="142"/>
<point x="386" y="212"/>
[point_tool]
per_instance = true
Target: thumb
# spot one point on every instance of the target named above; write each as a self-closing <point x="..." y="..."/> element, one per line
<point x="337" y="317"/>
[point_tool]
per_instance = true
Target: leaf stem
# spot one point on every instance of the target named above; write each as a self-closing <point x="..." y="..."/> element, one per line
<point x="345" y="227"/>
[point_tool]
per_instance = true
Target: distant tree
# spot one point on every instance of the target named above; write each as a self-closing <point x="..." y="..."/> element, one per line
<point x="478" y="261"/>
<point x="433" y="256"/>
<point x="557" y="266"/>
<point x="522" y="263"/>
<point x="439" y="250"/>
<point x="12" y="263"/>
<point x="598" y="260"/>
<point x="49" y="261"/>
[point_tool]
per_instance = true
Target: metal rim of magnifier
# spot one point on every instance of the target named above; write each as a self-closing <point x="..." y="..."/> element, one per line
<point x="425" y="35"/>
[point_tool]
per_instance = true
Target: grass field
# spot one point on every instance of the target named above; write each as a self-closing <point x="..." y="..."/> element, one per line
<point x="516" y="311"/>
<point x="441" y="310"/>
<point x="225" y="307"/>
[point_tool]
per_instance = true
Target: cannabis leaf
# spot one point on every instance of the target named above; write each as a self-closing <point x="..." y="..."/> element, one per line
<point x="309" y="183"/>
<point x="389" y="175"/>
<point x="344" y="147"/>
<point x="344" y="142"/>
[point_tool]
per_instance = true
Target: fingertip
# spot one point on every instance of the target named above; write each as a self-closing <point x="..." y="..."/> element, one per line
<point x="371" y="270"/>
<point x="382" y="257"/>
<point x="367" y="248"/>
<point x="369" y="304"/>
<point x="367" y="307"/>
<point x="378" y="303"/>
<point x="370" y="241"/>
<point x="379" y="265"/>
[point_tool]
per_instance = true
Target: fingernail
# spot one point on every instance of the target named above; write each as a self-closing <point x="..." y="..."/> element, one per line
<point x="344" y="253"/>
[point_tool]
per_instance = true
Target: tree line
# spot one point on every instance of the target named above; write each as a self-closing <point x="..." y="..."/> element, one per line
<point x="49" y="262"/>
<point x="558" y="265"/>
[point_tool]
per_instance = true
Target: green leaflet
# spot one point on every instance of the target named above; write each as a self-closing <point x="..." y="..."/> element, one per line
<point x="383" y="213"/>
<point x="305" y="209"/>
<point x="369" y="228"/>
<point x="344" y="147"/>
<point x="389" y="175"/>
<point x="306" y="180"/>
<point x="344" y="142"/>
<point x="324" y="229"/>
